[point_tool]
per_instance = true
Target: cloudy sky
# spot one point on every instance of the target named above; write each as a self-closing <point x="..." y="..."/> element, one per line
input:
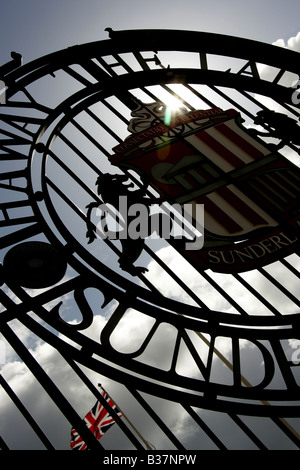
<point x="35" y="28"/>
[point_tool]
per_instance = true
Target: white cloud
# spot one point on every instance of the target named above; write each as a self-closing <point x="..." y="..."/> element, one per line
<point x="288" y="79"/>
<point x="196" y="283"/>
<point x="293" y="43"/>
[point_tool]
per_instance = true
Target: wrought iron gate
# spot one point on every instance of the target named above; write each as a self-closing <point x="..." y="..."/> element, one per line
<point x="197" y="359"/>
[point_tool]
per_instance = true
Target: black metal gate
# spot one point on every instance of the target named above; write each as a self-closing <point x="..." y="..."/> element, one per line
<point x="195" y="359"/>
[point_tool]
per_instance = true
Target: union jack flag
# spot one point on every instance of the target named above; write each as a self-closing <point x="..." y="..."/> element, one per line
<point x="98" y="420"/>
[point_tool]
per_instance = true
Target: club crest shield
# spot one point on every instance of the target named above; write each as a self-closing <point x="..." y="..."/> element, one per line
<point x="250" y="193"/>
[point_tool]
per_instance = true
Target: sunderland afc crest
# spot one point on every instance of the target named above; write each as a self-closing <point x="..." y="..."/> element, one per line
<point x="250" y="193"/>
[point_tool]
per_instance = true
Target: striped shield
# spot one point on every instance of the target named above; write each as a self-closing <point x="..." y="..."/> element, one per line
<point x="209" y="157"/>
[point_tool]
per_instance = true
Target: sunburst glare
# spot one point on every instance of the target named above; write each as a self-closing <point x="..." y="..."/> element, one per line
<point x="172" y="109"/>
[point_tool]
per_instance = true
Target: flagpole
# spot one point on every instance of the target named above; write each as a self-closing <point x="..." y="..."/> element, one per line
<point x="148" y="447"/>
<point x="244" y="381"/>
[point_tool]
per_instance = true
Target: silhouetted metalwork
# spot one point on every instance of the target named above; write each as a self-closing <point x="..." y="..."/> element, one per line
<point x="55" y="143"/>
